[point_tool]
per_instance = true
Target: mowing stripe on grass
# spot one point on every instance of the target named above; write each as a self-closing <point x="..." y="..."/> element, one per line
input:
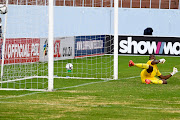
<point x="152" y="108"/>
<point x="54" y="104"/>
<point x="79" y="105"/>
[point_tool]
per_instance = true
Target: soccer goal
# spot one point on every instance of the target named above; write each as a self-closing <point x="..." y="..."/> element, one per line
<point x="41" y="43"/>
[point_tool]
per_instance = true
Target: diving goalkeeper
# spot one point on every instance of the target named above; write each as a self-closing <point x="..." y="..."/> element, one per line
<point x="150" y="70"/>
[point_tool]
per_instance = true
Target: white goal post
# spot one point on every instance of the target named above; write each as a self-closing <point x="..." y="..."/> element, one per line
<point x="4" y="41"/>
<point x="51" y="47"/>
<point x="34" y="53"/>
<point x="116" y="39"/>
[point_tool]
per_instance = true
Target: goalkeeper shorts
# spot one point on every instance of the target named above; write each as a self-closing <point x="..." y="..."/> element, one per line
<point x="154" y="80"/>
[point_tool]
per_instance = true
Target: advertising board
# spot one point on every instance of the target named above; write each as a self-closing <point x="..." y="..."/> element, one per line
<point x="20" y="50"/>
<point x="145" y="45"/>
<point x="89" y="45"/>
<point x="63" y="48"/>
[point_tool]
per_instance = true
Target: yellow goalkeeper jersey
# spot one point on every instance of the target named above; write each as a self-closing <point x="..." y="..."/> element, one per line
<point x="154" y="73"/>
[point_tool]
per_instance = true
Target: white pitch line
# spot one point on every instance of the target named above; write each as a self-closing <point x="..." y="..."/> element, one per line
<point x="81" y="85"/>
<point x="67" y="87"/>
<point x="93" y="83"/>
<point x="20" y="95"/>
<point x="72" y="87"/>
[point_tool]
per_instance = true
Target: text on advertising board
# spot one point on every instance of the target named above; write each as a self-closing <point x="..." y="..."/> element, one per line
<point x="131" y="46"/>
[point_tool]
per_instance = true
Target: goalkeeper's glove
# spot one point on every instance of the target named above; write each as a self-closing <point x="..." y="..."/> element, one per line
<point x="162" y="61"/>
<point x="175" y="70"/>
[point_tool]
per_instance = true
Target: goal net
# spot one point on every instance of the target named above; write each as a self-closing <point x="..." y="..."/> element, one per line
<point x="78" y="38"/>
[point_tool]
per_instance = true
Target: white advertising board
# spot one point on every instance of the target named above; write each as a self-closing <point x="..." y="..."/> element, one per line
<point x="63" y="48"/>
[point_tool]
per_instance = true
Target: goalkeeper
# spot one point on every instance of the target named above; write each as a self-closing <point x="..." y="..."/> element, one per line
<point x="150" y="70"/>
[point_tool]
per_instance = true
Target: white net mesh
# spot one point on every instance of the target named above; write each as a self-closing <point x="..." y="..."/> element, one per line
<point x="88" y="55"/>
<point x="26" y="25"/>
<point x="26" y="48"/>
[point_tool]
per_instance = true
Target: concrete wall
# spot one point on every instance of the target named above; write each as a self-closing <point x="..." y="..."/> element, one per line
<point x="163" y="21"/>
<point x="32" y="21"/>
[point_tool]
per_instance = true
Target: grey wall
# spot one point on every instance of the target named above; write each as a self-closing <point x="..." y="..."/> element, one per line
<point x="163" y="21"/>
<point x="32" y="21"/>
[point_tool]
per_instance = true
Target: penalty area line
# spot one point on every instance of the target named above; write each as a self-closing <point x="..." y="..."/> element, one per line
<point x="94" y="83"/>
<point x="21" y="95"/>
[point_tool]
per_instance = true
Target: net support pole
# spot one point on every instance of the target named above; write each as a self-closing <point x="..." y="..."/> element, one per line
<point x="115" y="39"/>
<point x="169" y="4"/>
<point x="159" y="4"/>
<point x="4" y="42"/>
<point x="50" y="47"/>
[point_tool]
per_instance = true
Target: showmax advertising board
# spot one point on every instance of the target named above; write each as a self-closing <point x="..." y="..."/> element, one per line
<point x="145" y="45"/>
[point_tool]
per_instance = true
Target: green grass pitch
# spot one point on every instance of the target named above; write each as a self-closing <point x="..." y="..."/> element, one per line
<point x="79" y="99"/>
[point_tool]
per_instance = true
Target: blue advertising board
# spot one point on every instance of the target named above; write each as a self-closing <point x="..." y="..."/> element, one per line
<point x="89" y="45"/>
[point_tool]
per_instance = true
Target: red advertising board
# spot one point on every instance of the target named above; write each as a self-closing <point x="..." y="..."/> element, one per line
<point x="57" y="48"/>
<point x="20" y="50"/>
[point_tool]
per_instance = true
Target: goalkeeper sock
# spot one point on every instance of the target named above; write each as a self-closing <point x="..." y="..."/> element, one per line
<point x="142" y="65"/>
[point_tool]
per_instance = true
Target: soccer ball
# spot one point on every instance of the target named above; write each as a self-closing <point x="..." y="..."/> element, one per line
<point x="69" y="66"/>
<point x="3" y="9"/>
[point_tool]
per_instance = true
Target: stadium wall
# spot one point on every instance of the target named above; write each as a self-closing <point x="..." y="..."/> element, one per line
<point x="74" y="21"/>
